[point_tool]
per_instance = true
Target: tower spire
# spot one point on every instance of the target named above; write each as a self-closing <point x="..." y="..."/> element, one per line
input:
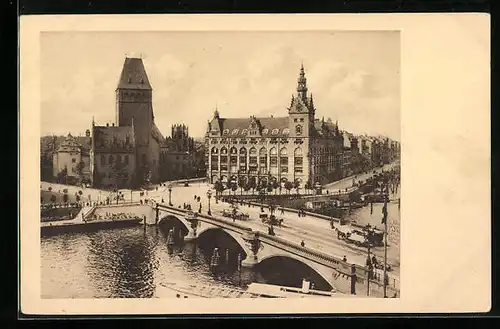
<point x="302" y="84"/>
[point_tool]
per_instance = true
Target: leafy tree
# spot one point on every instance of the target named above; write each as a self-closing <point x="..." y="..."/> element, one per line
<point x="62" y="176"/>
<point x="308" y="186"/>
<point x="276" y="185"/>
<point x="119" y="174"/>
<point x="288" y="186"/>
<point x="219" y="187"/>
<point x="241" y="184"/>
<point x="53" y="198"/>
<point x="269" y="187"/>
<point x="234" y="187"/>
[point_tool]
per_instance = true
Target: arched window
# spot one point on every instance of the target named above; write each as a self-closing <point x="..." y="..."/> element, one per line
<point x="283" y="152"/>
<point x="263" y="151"/>
<point x="286" y="131"/>
<point x="225" y="132"/>
<point x="244" y="132"/>
<point x="215" y="150"/>
<point x="297" y="152"/>
<point x="273" y="151"/>
<point x="223" y="150"/>
<point x="243" y="151"/>
<point x="235" y="131"/>
<point x="233" y="150"/>
<point x="253" y="151"/>
<point x="103" y="160"/>
<point x="111" y="159"/>
<point x="275" y="131"/>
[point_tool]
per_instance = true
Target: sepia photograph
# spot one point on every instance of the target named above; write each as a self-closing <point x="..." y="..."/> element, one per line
<point x="204" y="164"/>
<point x="220" y="164"/>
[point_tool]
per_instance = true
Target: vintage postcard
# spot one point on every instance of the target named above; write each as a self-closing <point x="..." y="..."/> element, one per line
<point x="337" y="163"/>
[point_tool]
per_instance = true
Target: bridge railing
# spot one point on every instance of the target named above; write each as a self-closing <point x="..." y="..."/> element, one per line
<point x="337" y="264"/>
<point x="209" y="219"/>
<point x="327" y="260"/>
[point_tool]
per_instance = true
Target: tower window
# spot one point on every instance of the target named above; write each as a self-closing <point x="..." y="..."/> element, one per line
<point x="103" y="160"/>
<point x="295" y="120"/>
<point x="301" y="119"/>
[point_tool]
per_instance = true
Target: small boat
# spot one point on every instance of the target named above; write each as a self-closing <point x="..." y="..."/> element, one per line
<point x="179" y="290"/>
<point x="293" y="292"/>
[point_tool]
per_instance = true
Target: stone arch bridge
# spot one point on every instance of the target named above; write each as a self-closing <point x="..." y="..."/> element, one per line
<point x="259" y="246"/>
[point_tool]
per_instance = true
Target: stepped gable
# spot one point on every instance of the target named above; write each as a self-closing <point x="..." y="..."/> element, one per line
<point x="134" y="75"/>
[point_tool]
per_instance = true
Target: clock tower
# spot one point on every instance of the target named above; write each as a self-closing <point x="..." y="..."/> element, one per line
<point x="301" y="110"/>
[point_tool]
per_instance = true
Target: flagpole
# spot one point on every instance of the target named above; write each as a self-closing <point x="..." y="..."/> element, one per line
<point x="385" y="246"/>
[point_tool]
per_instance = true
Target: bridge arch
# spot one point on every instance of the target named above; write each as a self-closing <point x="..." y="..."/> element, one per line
<point x="323" y="273"/>
<point x="234" y="236"/>
<point x="174" y="220"/>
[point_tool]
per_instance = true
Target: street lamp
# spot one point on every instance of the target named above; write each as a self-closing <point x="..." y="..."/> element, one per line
<point x="209" y="195"/>
<point x="170" y="194"/>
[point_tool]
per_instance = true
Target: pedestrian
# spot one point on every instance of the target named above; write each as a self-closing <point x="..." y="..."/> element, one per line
<point x="302" y="243"/>
<point x="195" y="197"/>
<point x="282" y="211"/>
<point x="344" y="259"/>
<point x="162" y="201"/>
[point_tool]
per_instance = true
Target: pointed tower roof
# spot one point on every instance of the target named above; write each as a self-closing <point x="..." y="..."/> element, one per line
<point x="134" y="75"/>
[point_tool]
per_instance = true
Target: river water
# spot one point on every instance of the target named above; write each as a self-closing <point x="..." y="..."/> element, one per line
<point x="134" y="262"/>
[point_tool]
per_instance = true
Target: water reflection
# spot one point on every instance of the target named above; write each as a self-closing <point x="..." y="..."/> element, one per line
<point x="132" y="262"/>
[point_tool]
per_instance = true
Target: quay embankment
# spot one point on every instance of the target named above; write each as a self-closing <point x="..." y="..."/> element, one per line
<point x="101" y="217"/>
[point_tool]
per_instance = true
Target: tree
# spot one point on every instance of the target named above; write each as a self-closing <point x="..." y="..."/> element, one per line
<point x="219" y="187"/>
<point x="79" y="169"/>
<point x="119" y="174"/>
<point x="296" y="186"/>
<point x="241" y="184"/>
<point x="53" y="198"/>
<point x="62" y="176"/>
<point x="288" y="186"/>
<point x="269" y="187"/>
<point x="275" y="186"/>
<point x="234" y="187"/>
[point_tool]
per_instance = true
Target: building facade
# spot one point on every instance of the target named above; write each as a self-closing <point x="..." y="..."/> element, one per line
<point x="128" y="153"/>
<point x="71" y="159"/>
<point x="178" y="154"/>
<point x="296" y="148"/>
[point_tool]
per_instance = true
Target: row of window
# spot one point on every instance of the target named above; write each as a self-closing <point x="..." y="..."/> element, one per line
<point x="265" y="131"/>
<point x="273" y="160"/>
<point x="111" y="159"/>
<point x="257" y="140"/>
<point x="253" y="151"/>
<point x="255" y="170"/>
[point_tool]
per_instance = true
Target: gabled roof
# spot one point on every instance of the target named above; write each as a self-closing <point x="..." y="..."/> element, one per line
<point x="134" y="75"/>
<point x="239" y="127"/>
<point x="157" y="135"/>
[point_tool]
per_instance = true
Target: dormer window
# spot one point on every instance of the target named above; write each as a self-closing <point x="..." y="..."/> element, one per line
<point x="235" y="131"/>
<point x="286" y="131"/>
<point x="275" y="131"/>
<point x="244" y="132"/>
<point x="265" y="131"/>
<point x="129" y="79"/>
<point x="225" y="132"/>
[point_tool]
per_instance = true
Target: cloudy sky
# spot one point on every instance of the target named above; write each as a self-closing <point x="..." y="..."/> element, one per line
<point x="354" y="77"/>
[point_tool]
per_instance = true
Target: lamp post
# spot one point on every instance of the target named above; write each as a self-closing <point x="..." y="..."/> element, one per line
<point x="384" y="219"/>
<point x="170" y="194"/>
<point x="209" y="196"/>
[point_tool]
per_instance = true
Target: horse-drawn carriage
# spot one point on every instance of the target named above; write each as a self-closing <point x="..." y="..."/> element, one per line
<point x="235" y="214"/>
<point x="359" y="237"/>
<point x="271" y="220"/>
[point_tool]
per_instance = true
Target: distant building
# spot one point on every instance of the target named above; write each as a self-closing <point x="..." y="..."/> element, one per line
<point x="71" y="159"/>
